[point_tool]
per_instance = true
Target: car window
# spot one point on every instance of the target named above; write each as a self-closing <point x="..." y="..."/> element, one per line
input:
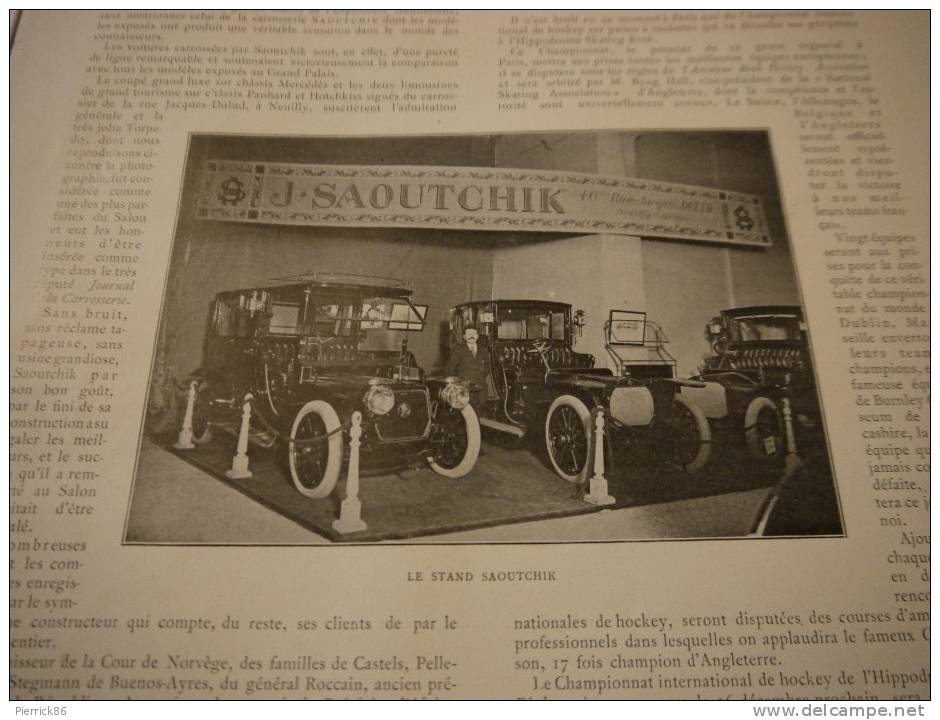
<point x="456" y="325"/>
<point x="512" y="329"/>
<point x="523" y="323"/>
<point x="236" y="315"/>
<point x="223" y="320"/>
<point x="376" y="312"/>
<point x="339" y="319"/>
<point x="485" y="321"/>
<point x="284" y="319"/>
<point x="537" y="327"/>
<point x="764" y="328"/>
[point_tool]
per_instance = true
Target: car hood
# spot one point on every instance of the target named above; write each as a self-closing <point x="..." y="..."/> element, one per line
<point x="588" y="378"/>
<point x="361" y="383"/>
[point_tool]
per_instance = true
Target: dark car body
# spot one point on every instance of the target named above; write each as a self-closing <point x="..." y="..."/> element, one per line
<point x="539" y="382"/>
<point x="760" y="379"/>
<point x="311" y="351"/>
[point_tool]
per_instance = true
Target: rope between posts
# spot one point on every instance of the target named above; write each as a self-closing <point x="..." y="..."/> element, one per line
<point x="308" y="441"/>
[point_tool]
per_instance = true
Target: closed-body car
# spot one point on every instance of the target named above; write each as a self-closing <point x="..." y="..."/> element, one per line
<point x="312" y="350"/>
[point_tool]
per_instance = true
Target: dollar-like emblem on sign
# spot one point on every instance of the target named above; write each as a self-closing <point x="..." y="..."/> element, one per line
<point x="742" y="218"/>
<point x="232" y="191"/>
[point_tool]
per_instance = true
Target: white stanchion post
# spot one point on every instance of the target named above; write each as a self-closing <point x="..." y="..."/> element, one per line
<point x="598" y="494"/>
<point x="239" y="467"/>
<point x="185" y="439"/>
<point x="793" y="460"/>
<point x="350" y="511"/>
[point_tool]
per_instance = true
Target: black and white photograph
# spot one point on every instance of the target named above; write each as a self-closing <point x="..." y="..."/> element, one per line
<point x="590" y="336"/>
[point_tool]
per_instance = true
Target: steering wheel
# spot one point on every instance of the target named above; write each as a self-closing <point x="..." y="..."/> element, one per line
<point x="539" y="347"/>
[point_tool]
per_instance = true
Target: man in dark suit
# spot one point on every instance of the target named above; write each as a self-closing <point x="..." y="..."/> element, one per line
<point x="471" y="363"/>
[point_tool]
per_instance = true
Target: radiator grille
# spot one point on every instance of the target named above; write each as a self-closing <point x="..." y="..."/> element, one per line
<point x="409" y="419"/>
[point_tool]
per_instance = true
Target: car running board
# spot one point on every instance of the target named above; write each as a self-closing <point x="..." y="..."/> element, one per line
<point x="502" y="427"/>
<point x="262" y="438"/>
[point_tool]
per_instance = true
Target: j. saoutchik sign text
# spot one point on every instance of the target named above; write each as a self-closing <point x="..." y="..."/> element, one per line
<point x="476" y="199"/>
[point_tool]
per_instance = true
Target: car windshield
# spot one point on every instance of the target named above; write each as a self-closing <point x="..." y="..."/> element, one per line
<point x="344" y="319"/>
<point x="528" y="323"/>
<point x="340" y="319"/>
<point x="757" y="328"/>
<point x="296" y="312"/>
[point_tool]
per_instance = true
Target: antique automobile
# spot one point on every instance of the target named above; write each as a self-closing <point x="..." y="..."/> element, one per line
<point x="759" y="382"/>
<point x="538" y="383"/>
<point x="313" y="349"/>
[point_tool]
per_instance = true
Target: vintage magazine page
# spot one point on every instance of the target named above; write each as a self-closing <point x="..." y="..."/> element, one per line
<point x="457" y="355"/>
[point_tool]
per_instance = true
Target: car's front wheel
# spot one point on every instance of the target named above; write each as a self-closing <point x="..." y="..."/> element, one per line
<point x="202" y="429"/>
<point x="763" y="430"/>
<point x="567" y="428"/>
<point x="454" y="442"/>
<point x="688" y="443"/>
<point x="315" y="449"/>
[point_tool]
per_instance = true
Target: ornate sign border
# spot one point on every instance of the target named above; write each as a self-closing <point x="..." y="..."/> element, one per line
<point x="460" y="198"/>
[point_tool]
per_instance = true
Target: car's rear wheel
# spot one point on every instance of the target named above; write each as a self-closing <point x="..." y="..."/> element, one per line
<point x="763" y="430"/>
<point x="567" y="428"/>
<point x="688" y="443"/>
<point x="315" y="449"/>
<point x="454" y="442"/>
<point x="202" y="430"/>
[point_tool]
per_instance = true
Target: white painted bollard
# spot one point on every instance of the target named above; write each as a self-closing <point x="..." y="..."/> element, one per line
<point x="239" y="467"/>
<point x="350" y="511"/>
<point x="793" y="462"/>
<point x="598" y="494"/>
<point x="185" y="439"/>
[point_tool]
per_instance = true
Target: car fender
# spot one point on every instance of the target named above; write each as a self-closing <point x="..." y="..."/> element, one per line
<point x="591" y="394"/>
<point x="342" y="402"/>
<point x="632" y="406"/>
<point x="712" y="399"/>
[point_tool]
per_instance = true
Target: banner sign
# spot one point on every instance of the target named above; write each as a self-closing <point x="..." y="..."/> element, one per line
<point x="459" y="198"/>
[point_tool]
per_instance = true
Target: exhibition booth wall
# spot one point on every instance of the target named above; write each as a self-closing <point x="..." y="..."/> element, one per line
<point x="680" y="284"/>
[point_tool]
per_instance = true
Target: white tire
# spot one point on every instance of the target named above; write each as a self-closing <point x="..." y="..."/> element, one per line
<point x="763" y="430"/>
<point x="456" y="465"/>
<point x="567" y="437"/>
<point x="201" y="425"/>
<point x="315" y="466"/>
<point x="696" y="439"/>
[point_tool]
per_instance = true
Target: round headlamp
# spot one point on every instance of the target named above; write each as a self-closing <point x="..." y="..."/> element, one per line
<point x="379" y="400"/>
<point x="456" y="395"/>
